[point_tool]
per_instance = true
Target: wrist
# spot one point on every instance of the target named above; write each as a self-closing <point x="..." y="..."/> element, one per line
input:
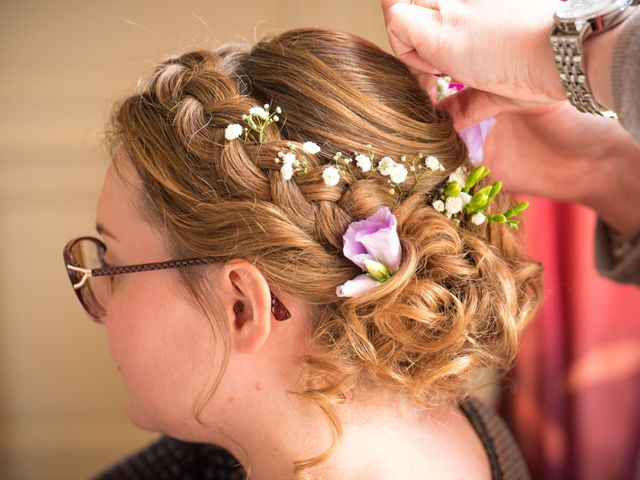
<point x="598" y="54"/>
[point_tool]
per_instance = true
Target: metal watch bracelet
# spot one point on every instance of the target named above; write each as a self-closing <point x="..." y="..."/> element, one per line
<point x="572" y="75"/>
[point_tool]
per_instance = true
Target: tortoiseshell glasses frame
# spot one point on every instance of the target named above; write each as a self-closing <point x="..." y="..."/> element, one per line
<point x="93" y="285"/>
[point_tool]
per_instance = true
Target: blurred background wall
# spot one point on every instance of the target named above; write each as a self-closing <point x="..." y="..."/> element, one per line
<point x="64" y="63"/>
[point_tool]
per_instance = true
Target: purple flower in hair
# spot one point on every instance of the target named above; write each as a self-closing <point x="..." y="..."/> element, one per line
<point x="474" y="137"/>
<point x="374" y="246"/>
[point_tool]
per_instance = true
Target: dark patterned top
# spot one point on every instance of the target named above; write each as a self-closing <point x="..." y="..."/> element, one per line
<point x="171" y="459"/>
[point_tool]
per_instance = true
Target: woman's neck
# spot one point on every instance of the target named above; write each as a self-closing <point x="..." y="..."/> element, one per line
<point x="384" y="437"/>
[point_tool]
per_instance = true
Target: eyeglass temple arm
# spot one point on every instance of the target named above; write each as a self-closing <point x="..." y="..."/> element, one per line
<point x="280" y="312"/>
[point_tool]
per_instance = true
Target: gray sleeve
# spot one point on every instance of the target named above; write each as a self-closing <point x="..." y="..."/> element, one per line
<point x="620" y="263"/>
<point x="625" y="72"/>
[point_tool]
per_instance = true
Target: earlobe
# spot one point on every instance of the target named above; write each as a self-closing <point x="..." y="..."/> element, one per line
<point x="247" y="305"/>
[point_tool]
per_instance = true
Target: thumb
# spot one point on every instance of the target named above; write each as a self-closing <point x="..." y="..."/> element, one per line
<point x="471" y="106"/>
<point x="414" y="33"/>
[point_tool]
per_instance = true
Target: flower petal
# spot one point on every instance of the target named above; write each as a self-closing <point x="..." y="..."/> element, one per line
<point x="380" y="238"/>
<point x="357" y="286"/>
<point x="475" y="137"/>
<point x="354" y="249"/>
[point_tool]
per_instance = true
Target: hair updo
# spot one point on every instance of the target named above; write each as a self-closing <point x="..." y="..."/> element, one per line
<point x="463" y="292"/>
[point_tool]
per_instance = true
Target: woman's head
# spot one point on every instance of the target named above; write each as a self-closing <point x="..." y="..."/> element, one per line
<point x="462" y="291"/>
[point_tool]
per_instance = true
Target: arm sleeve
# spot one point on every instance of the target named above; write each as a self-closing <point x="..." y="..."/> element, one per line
<point x="620" y="260"/>
<point x="625" y="72"/>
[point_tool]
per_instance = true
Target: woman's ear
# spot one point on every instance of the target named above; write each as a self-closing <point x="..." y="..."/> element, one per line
<point x="246" y="304"/>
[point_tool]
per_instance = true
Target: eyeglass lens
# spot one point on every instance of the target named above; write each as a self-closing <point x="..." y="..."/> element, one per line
<point x="94" y="294"/>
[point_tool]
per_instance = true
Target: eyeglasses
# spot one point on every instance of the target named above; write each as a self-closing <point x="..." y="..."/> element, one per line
<point x="91" y="279"/>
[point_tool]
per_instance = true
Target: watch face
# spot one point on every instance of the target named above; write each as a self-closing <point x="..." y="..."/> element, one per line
<point x="585" y="9"/>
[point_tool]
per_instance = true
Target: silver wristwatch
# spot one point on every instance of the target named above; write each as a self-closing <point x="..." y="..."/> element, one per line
<point x="575" y="21"/>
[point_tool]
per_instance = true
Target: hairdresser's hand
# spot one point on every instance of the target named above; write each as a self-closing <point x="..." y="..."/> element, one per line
<point x="557" y="152"/>
<point x="499" y="49"/>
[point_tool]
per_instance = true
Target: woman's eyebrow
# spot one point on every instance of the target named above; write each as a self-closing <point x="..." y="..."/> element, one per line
<point x="103" y="231"/>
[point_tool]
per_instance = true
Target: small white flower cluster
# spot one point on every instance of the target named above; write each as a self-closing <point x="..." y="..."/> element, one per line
<point x="257" y="120"/>
<point x="433" y="164"/>
<point x="456" y="199"/>
<point x="444" y="88"/>
<point x="291" y="164"/>
<point x="396" y="171"/>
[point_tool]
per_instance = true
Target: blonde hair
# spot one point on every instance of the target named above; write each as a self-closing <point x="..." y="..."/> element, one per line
<point x="463" y="292"/>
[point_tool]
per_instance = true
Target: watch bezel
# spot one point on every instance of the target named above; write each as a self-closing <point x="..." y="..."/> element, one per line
<point x="571" y="17"/>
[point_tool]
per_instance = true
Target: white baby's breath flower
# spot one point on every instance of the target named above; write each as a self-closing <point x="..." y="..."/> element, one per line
<point x="310" y="147"/>
<point x="290" y="159"/>
<point x="466" y="198"/>
<point x="478" y="218"/>
<point x="439" y="205"/>
<point x="259" y="112"/>
<point x="442" y="82"/>
<point x="385" y="164"/>
<point x="363" y="162"/>
<point x="286" y="171"/>
<point x="331" y="176"/>
<point x="460" y="176"/>
<point x="398" y="173"/>
<point x="233" y="131"/>
<point x="432" y="163"/>
<point x="454" y="205"/>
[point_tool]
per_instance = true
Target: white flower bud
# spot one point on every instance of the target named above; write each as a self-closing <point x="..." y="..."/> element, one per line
<point x="439" y="205"/>
<point x="290" y="159"/>
<point x="432" y="163"/>
<point x="442" y="83"/>
<point x="286" y="171"/>
<point x="466" y="198"/>
<point x="460" y="176"/>
<point x="454" y="205"/>
<point x="259" y="112"/>
<point x="398" y="173"/>
<point x="363" y="162"/>
<point x="478" y="218"/>
<point x="331" y="176"/>
<point x="233" y="131"/>
<point x="310" y="147"/>
<point x="385" y="164"/>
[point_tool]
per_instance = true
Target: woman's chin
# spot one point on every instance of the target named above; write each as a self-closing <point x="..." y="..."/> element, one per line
<point x="141" y="419"/>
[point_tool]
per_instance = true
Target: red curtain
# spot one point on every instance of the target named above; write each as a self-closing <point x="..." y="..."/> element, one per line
<point x="574" y="403"/>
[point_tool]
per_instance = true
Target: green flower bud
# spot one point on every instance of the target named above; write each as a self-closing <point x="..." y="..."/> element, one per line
<point x="475" y="176"/>
<point x="498" y="218"/>
<point x="517" y="210"/>
<point x="495" y="189"/>
<point x="377" y="270"/>
<point x="453" y="189"/>
<point x="479" y="200"/>
<point x="513" y="224"/>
